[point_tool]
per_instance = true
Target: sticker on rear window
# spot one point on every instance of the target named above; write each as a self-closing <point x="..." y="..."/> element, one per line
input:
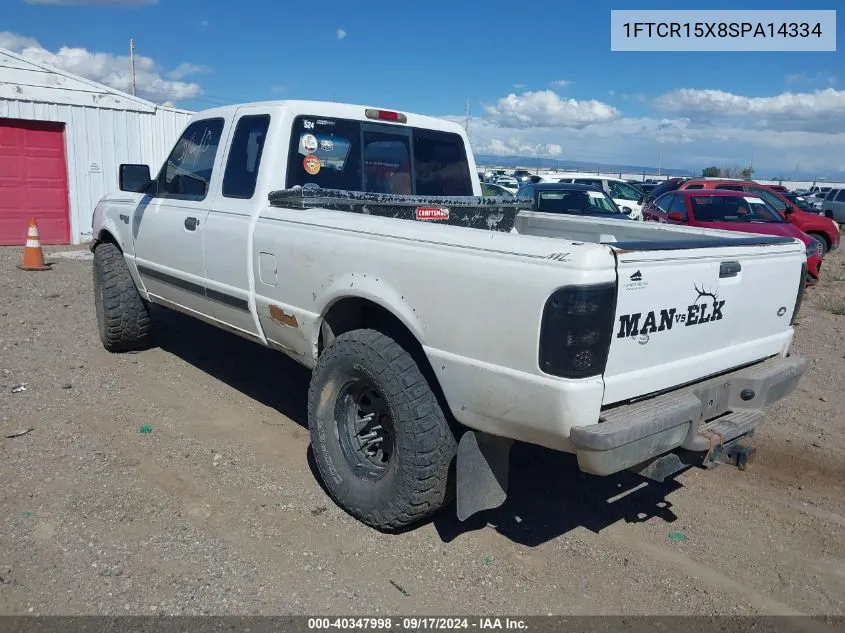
<point x="432" y="213"/>
<point x="595" y="194"/>
<point x="312" y="164"/>
<point x="753" y="200"/>
<point x="309" y="142"/>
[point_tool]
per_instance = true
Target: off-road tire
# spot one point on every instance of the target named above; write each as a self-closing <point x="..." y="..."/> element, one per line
<point x="123" y="318"/>
<point x="416" y="480"/>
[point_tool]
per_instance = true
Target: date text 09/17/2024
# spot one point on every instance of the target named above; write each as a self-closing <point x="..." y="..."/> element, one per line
<point x="418" y="623"/>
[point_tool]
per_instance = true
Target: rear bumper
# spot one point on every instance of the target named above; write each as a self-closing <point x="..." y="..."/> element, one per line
<point x="693" y="417"/>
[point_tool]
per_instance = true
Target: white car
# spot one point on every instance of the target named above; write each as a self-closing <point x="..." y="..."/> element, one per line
<point x="626" y="196"/>
<point x="441" y="325"/>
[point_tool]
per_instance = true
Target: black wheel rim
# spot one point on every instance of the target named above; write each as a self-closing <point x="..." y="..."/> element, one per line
<point x="365" y="428"/>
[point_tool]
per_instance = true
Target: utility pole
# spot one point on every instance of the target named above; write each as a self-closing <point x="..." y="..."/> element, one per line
<point x="466" y="121"/>
<point x="132" y="62"/>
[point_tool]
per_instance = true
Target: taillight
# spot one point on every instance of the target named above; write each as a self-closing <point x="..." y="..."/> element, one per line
<point x="800" y="297"/>
<point x="385" y="115"/>
<point x="576" y="330"/>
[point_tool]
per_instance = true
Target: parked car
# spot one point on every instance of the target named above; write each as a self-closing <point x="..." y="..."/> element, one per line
<point x="624" y="195"/>
<point x="647" y="187"/>
<point x="731" y="211"/>
<point x="814" y="225"/>
<point x="801" y="202"/>
<point x="494" y="190"/>
<point x="508" y="182"/>
<point x="570" y="199"/>
<point x="833" y="206"/>
<point x="670" y="184"/>
<point x="355" y="240"/>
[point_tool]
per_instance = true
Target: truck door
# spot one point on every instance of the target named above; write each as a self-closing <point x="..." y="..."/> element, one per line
<point x="169" y="232"/>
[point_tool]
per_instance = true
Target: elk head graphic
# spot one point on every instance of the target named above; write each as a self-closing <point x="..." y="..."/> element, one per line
<point x="702" y="293"/>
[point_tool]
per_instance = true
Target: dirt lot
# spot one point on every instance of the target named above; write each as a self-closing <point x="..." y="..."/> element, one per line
<point x="217" y="509"/>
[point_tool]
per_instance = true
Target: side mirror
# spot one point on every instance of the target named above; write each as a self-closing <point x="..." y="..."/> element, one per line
<point x="640" y="200"/>
<point x="134" y="178"/>
<point x="789" y="209"/>
<point x="676" y="216"/>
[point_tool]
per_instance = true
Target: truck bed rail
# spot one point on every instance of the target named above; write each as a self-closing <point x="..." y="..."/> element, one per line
<point x="477" y="212"/>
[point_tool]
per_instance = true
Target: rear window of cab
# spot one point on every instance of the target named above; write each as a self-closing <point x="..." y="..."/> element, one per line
<point x="377" y="158"/>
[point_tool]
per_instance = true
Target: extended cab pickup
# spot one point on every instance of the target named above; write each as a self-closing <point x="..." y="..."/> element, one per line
<point x="441" y="325"/>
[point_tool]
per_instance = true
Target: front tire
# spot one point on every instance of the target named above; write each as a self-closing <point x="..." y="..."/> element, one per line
<point x="822" y="240"/>
<point x="123" y="318"/>
<point x="381" y="442"/>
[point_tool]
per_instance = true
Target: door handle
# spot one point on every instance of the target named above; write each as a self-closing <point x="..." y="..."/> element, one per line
<point x="729" y="269"/>
<point x="191" y="224"/>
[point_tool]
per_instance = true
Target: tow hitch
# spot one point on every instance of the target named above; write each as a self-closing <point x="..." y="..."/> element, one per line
<point x="739" y="452"/>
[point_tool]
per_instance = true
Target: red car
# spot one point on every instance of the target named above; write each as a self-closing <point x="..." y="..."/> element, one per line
<point x="821" y="228"/>
<point x="730" y="211"/>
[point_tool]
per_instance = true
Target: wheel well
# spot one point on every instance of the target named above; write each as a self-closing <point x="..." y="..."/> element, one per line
<point x="105" y="236"/>
<point x="823" y="236"/>
<point x="354" y="313"/>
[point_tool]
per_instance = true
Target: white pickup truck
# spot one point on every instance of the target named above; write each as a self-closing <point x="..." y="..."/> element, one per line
<point x="441" y="325"/>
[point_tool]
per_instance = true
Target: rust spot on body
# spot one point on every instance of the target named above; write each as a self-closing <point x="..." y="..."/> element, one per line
<point x="281" y="317"/>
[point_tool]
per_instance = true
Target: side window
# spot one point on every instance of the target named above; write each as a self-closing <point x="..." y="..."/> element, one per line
<point x="840" y="197"/>
<point x="769" y="197"/>
<point x="731" y="187"/>
<point x="695" y="187"/>
<point x="245" y="156"/>
<point x="679" y="205"/>
<point x="187" y="172"/>
<point x="663" y="203"/>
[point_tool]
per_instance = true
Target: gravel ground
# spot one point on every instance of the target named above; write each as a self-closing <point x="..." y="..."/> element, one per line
<point x="217" y="510"/>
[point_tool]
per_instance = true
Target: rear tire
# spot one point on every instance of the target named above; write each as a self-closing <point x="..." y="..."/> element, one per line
<point x="381" y="442"/>
<point x="123" y="318"/>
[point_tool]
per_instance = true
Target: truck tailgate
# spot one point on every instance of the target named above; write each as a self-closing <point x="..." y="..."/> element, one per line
<point x="685" y="314"/>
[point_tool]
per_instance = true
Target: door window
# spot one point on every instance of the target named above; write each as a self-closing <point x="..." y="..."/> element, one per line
<point x="664" y="202"/>
<point x="187" y="173"/>
<point x="840" y="197"/>
<point x="679" y="205"/>
<point x="623" y="191"/>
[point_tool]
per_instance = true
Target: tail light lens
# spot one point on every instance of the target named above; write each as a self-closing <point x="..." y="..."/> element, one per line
<point x="800" y="297"/>
<point x="576" y="330"/>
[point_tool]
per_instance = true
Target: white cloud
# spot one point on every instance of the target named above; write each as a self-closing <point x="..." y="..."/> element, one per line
<point x="99" y="3"/>
<point x="109" y="69"/>
<point x="684" y="143"/>
<point x="341" y="34"/>
<point x="547" y="109"/>
<point x="15" y="42"/>
<point x="822" y="109"/>
<point x="561" y="83"/>
<point x="810" y="78"/>
<point x="186" y="69"/>
<point x="519" y="86"/>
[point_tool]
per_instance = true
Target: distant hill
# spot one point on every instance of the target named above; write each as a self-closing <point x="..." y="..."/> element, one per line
<point x="529" y="162"/>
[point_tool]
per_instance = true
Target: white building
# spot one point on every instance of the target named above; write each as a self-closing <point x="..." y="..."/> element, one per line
<point x="62" y="139"/>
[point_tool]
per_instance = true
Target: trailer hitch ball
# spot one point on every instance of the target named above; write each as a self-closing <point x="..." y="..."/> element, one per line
<point x="747" y="394"/>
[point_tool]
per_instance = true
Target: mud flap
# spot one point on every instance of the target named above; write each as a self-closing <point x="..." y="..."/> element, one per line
<point x="482" y="472"/>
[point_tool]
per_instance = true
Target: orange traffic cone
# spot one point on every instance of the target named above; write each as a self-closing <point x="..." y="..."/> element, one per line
<point x="33" y="256"/>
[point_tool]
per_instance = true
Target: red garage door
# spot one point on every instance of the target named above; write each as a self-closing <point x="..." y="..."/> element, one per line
<point x="33" y="181"/>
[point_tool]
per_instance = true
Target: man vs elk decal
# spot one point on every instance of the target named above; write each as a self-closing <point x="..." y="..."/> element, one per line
<point x="707" y="307"/>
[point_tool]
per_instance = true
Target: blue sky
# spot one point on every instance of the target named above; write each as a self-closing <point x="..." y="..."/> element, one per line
<point x="543" y="82"/>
